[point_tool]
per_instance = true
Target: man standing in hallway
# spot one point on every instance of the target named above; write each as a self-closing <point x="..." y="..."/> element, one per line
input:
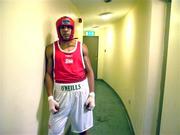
<point x="69" y="80"/>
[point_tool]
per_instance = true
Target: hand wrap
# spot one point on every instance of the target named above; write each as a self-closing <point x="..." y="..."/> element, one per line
<point x="90" y="103"/>
<point x="53" y="105"/>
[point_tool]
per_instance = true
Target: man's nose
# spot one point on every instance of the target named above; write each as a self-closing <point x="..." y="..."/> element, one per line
<point x="65" y="28"/>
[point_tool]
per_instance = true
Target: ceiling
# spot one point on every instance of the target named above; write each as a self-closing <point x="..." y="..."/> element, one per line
<point x="90" y="10"/>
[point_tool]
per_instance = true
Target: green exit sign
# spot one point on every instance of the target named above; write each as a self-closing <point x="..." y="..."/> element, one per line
<point x="90" y="33"/>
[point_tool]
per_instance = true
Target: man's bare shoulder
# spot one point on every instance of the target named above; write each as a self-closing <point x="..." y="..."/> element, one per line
<point x="85" y="49"/>
<point x="50" y="46"/>
<point x="49" y="49"/>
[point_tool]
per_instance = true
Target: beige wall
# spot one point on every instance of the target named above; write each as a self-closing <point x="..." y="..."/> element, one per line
<point x="170" y="124"/>
<point x="126" y="43"/>
<point x="26" y="28"/>
<point x="155" y="60"/>
<point x="132" y="51"/>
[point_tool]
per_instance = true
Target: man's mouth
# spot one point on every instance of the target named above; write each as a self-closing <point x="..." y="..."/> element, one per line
<point x="65" y="35"/>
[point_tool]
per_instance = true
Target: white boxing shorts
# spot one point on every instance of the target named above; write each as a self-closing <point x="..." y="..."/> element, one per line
<point x="71" y="98"/>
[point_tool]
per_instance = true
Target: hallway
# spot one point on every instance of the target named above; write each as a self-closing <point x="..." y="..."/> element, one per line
<point x="110" y="116"/>
<point x="138" y="56"/>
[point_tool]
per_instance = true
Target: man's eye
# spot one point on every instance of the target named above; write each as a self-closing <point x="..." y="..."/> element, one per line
<point x="63" y="27"/>
<point x="69" y="27"/>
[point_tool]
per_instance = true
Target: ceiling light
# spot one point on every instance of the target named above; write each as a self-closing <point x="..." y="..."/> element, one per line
<point x="107" y="1"/>
<point x="106" y="15"/>
<point x="96" y="26"/>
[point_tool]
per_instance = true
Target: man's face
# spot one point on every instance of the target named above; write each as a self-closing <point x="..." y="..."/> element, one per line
<point x="65" y="32"/>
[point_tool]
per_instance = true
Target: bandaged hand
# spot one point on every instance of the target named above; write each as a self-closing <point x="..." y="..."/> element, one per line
<point x="90" y="103"/>
<point x="53" y="105"/>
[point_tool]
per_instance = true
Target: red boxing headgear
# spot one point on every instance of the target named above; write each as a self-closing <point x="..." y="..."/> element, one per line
<point x="65" y="21"/>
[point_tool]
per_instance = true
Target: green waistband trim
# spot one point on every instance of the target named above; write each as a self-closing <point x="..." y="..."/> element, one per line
<point x="70" y="87"/>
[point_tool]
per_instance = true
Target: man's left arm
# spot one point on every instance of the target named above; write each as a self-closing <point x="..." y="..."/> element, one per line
<point x="89" y="70"/>
<point x="90" y="103"/>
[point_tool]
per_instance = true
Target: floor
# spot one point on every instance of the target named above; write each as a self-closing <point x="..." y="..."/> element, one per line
<point x="110" y="116"/>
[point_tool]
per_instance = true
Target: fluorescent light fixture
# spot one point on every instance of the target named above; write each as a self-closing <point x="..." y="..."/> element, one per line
<point x="96" y="26"/>
<point x="105" y="15"/>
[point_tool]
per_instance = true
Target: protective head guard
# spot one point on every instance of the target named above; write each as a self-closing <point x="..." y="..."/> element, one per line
<point x="65" y="21"/>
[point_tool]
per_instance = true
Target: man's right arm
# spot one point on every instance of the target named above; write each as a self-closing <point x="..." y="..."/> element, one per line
<point x="53" y="105"/>
<point x="49" y="70"/>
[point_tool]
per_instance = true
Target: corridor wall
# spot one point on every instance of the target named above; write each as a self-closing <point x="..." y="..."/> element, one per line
<point x="26" y="27"/>
<point x="132" y="54"/>
<point x="171" y="106"/>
